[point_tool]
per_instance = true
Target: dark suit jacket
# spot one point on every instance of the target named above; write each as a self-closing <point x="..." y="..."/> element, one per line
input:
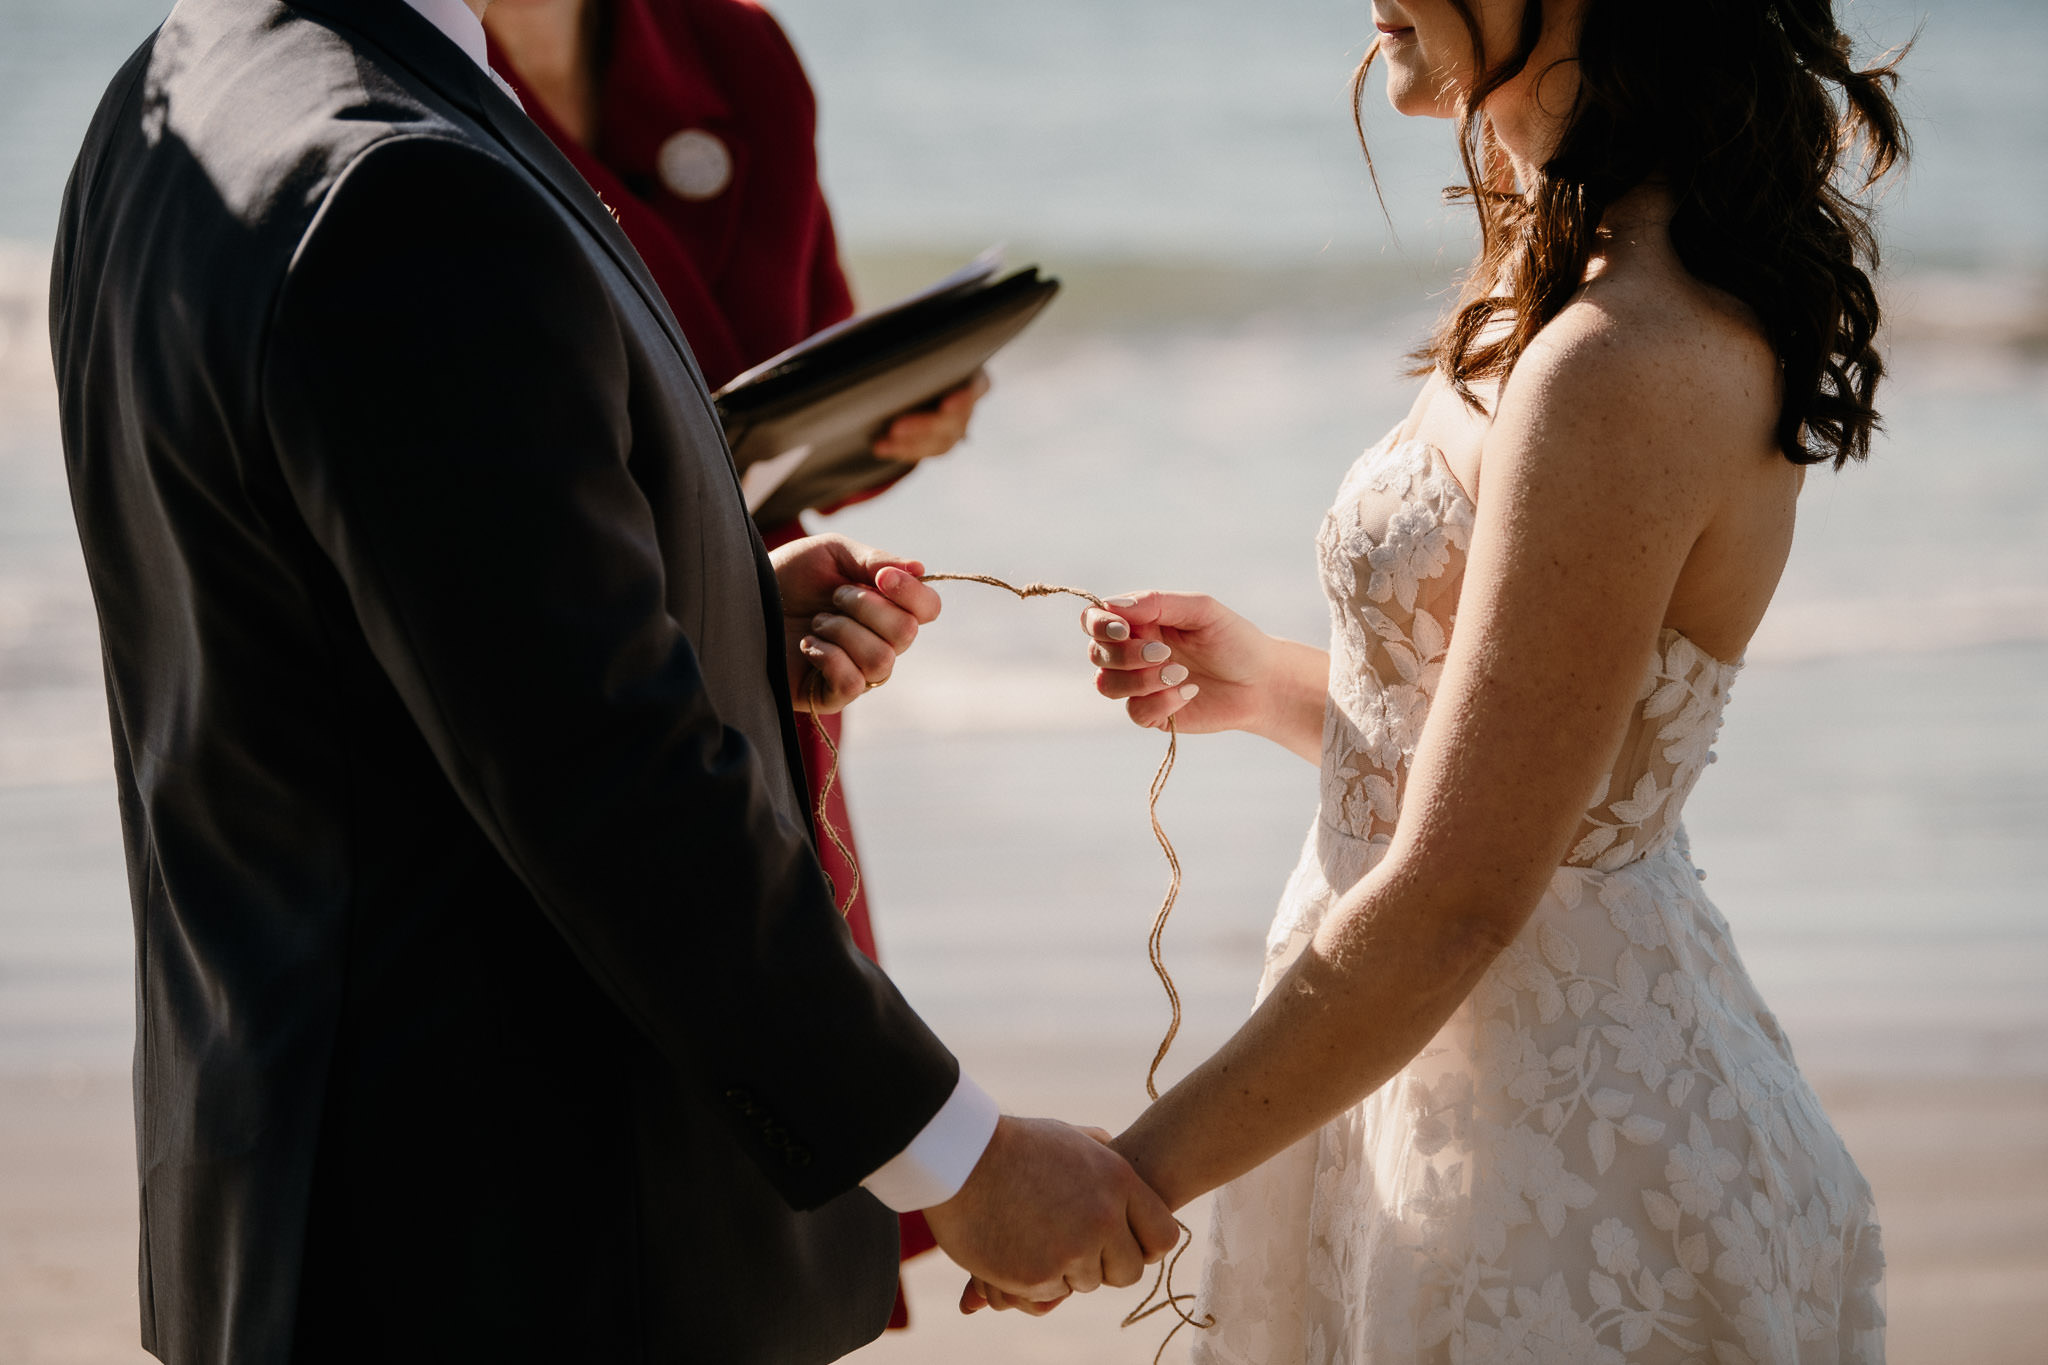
<point x="491" y="1003"/>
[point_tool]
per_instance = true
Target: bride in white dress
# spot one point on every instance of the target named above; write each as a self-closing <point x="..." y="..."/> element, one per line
<point x="1508" y="1094"/>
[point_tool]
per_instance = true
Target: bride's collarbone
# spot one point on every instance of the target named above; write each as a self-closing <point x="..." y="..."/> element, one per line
<point x="1443" y="420"/>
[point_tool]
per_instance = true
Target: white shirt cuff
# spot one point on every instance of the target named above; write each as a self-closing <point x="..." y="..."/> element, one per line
<point x="938" y="1160"/>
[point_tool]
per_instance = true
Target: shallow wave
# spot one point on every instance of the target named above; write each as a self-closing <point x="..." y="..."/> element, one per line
<point x="2006" y="308"/>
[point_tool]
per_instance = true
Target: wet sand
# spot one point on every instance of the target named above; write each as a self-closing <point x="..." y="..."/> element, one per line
<point x="1960" y="1168"/>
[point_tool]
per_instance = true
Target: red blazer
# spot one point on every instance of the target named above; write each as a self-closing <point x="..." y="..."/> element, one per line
<point x="751" y="266"/>
<point x="746" y="258"/>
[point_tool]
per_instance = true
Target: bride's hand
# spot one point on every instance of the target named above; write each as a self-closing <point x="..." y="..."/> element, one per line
<point x="979" y="1295"/>
<point x="1187" y="657"/>
<point x="1177" y="654"/>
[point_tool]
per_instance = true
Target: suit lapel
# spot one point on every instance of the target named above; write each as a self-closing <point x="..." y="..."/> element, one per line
<point x="399" y="30"/>
<point x="526" y="141"/>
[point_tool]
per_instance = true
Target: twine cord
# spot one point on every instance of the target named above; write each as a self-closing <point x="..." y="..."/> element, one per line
<point x="1154" y="944"/>
<point x="1171" y="1302"/>
<point x="816" y="688"/>
<point x="1026" y="592"/>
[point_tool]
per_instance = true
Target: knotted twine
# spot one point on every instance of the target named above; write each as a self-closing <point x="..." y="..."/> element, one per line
<point x="1154" y="943"/>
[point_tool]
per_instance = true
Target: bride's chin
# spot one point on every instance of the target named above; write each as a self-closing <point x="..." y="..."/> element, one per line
<point x="1417" y="94"/>
<point x="1415" y="88"/>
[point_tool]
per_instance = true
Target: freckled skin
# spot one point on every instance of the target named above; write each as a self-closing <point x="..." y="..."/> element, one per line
<point x="1626" y="480"/>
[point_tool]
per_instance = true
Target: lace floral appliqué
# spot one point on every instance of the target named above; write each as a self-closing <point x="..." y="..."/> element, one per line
<point x="1608" y="1155"/>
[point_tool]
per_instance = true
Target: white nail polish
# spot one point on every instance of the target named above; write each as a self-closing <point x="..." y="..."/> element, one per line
<point x="1188" y="693"/>
<point x="1124" y="601"/>
<point x="1117" y="630"/>
<point x="1173" y="675"/>
<point x="1157" y="653"/>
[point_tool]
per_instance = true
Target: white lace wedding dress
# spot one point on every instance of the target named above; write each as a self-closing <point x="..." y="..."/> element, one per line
<point x="1607" y="1155"/>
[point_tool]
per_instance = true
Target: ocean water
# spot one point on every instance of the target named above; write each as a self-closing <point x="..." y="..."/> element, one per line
<point x="1218" y="128"/>
<point x="1230" y="338"/>
<point x="1211" y="129"/>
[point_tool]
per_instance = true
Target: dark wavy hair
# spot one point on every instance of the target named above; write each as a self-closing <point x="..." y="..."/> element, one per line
<point x="1751" y="112"/>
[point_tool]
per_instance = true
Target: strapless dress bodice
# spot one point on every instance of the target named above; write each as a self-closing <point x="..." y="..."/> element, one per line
<point x="1392" y="553"/>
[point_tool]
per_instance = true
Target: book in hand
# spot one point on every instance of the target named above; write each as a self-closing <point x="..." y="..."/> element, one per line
<point x="801" y="424"/>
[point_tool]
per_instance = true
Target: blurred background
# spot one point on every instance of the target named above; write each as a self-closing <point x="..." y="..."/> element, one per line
<point x="1230" y="337"/>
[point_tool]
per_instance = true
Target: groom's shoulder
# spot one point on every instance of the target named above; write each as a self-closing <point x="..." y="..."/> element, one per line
<point x="223" y="149"/>
<point x="272" y="104"/>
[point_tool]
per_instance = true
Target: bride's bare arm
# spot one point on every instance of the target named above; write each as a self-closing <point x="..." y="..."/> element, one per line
<point x="1189" y="657"/>
<point x="1614" y="449"/>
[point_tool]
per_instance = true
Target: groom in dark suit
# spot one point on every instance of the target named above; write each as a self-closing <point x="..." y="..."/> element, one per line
<point x="491" y="1003"/>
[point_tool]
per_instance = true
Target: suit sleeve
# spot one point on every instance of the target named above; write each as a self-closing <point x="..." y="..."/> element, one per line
<point x="446" y="386"/>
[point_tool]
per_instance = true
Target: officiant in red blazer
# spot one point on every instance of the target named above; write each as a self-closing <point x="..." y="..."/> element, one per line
<point x="695" y="123"/>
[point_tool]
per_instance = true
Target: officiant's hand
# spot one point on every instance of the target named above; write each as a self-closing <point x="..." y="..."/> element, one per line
<point x="934" y="430"/>
<point x="847" y="612"/>
<point x="1051" y="1210"/>
<point x="1187" y="657"/>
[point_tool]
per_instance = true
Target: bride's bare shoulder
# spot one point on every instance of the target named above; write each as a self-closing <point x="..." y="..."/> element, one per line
<point x="1648" y="359"/>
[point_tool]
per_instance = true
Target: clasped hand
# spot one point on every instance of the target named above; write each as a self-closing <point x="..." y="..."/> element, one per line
<point x="1050" y="1210"/>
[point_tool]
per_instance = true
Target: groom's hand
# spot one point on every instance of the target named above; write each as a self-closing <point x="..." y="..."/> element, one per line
<point x="1050" y="1211"/>
<point x="847" y="612"/>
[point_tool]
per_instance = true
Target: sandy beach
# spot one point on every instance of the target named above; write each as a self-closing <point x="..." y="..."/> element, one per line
<point x="1233" y="322"/>
<point x="1960" y="1169"/>
<point x="1961" y="1175"/>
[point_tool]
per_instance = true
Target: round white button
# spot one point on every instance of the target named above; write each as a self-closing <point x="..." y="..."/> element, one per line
<point x="695" y="164"/>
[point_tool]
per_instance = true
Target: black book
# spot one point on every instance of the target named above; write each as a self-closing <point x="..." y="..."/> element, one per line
<point x="801" y="423"/>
